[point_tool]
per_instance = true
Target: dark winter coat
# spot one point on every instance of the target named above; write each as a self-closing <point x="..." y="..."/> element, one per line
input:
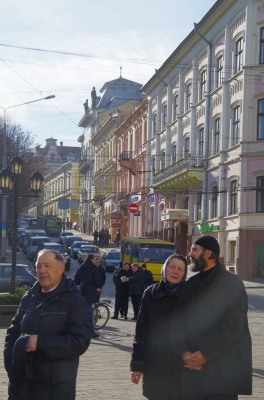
<point x="215" y="318"/>
<point x="60" y="319"/>
<point x="136" y="282"/>
<point x="89" y="274"/>
<point x="148" y="279"/>
<point x="152" y="352"/>
<point x="121" y="287"/>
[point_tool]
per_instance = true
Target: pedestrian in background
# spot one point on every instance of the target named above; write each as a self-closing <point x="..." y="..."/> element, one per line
<point x="148" y="277"/>
<point x="136" y="283"/>
<point x="121" y="290"/>
<point x="152" y="354"/>
<point x="49" y="332"/>
<point x="210" y="333"/>
<point x="89" y="275"/>
<point x="102" y="277"/>
<point x="95" y="235"/>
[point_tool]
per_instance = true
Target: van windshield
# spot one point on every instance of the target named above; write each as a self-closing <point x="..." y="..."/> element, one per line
<point x="155" y="252"/>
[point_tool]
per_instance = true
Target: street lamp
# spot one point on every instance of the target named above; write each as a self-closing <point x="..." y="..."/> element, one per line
<point x="9" y="183"/>
<point x="4" y="165"/>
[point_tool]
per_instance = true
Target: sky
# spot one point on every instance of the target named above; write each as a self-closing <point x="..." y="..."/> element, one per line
<point x="65" y="48"/>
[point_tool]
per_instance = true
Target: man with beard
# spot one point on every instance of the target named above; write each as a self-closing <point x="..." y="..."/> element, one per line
<point x="210" y="332"/>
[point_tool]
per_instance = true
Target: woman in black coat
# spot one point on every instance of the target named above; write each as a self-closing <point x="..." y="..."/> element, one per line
<point x="152" y="354"/>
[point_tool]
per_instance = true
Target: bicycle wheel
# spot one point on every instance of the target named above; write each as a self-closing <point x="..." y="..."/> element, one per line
<point x="101" y="315"/>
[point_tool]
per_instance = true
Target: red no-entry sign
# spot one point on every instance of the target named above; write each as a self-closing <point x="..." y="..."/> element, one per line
<point x="133" y="208"/>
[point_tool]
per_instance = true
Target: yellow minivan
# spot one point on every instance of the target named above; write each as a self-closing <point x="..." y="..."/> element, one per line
<point x="152" y="252"/>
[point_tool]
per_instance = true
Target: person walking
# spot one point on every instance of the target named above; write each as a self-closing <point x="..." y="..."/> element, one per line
<point x="49" y="332"/>
<point x="148" y="277"/>
<point x="210" y="330"/>
<point x="102" y="277"/>
<point x="95" y="235"/>
<point x="121" y="290"/>
<point x="136" y="283"/>
<point x="89" y="275"/>
<point x="152" y="354"/>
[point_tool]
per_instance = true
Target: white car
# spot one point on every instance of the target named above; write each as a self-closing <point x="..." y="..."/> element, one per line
<point x="88" y="249"/>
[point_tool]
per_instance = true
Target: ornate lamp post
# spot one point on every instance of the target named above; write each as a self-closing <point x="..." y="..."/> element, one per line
<point x="4" y="162"/>
<point x="9" y="183"/>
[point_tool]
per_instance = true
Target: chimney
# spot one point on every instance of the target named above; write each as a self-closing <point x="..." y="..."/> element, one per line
<point x="61" y="144"/>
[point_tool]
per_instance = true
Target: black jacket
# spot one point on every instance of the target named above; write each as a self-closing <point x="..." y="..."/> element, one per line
<point x="60" y="319"/>
<point x="89" y="274"/>
<point x="152" y="352"/>
<point x="148" y="279"/>
<point x="121" y="287"/>
<point x="214" y="321"/>
<point x="136" y="282"/>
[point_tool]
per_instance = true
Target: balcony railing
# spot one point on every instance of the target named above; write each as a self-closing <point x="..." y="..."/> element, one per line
<point x="191" y="162"/>
<point x="125" y="156"/>
<point x="121" y="196"/>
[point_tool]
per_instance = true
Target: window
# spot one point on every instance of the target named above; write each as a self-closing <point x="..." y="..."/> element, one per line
<point x="188" y="96"/>
<point x="260" y="194"/>
<point x="216" y="138"/>
<point x="239" y="55"/>
<point x="174" y="154"/>
<point x="261" y="46"/>
<point x="186" y="147"/>
<point x="214" y="201"/>
<point x="219" y="71"/>
<point x="233" y="198"/>
<point x="261" y="119"/>
<point x="164" y="115"/>
<point x="201" y="143"/>
<point x="203" y="84"/>
<point x="198" y="206"/>
<point x="154" y="123"/>
<point x="176" y="106"/>
<point x="153" y="164"/>
<point x="236" y="126"/>
<point x="232" y="253"/>
<point x="163" y="160"/>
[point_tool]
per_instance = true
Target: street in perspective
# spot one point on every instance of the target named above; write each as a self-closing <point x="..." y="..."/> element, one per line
<point x="104" y="369"/>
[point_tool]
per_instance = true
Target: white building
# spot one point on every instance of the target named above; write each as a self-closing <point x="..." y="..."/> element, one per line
<point x="206" y="137"/>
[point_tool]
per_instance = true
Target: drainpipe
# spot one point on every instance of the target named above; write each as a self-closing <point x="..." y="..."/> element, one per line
<point x="207" y="124"/>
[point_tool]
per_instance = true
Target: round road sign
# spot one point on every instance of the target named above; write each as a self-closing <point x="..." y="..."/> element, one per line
<point x="133" y="208"/>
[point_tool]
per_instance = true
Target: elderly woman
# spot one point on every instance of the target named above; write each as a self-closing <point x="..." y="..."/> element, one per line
<point x="152" y="354"/>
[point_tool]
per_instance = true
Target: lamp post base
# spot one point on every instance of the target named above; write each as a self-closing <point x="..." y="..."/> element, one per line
<point x="12" y="287"/>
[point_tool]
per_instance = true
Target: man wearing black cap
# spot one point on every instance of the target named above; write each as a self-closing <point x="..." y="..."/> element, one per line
<point x="211" y="333"/>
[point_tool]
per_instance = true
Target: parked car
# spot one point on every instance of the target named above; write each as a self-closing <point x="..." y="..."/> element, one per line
<point x="59" y="247"/>
<point x="24" y="277"/>
<point x="68" y="241"/>
<point x="75" y="247"/>
<point x="33" y="245"/>
<point x="28" y="234"/>
<point x="63" y="234"/>
<point x="111" y="260"/>
<point x="88" y="249"/>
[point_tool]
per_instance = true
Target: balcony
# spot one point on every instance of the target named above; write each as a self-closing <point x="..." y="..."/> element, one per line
<point x="181" y="175"/>
<point x="126" y="161"/>
<point x="84" y="164"/>
<point x="121" y="196"/>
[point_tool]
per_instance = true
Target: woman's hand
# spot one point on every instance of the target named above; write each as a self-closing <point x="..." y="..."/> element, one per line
<point x="135" y="377"/>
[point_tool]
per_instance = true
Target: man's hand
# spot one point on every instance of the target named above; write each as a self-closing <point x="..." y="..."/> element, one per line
<point x="135" y="377"/>
<point x="193" y="361"/>
<point x="32" y="343"/>
<point x="100" y="291"/>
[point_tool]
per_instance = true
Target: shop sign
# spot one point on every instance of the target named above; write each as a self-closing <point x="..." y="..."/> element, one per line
<point x="208" y="228"/>
<point x="174" y="214"/>
<point x="115" y="216"/>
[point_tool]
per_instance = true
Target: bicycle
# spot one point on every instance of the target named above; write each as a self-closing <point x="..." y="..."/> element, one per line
<point x="101" y="313"/>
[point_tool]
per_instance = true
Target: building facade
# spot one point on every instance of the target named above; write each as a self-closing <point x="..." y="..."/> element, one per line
<point x="205" y="142"/>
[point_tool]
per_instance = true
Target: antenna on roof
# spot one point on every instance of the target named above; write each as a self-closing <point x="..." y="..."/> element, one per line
<point x="120" y="72"/>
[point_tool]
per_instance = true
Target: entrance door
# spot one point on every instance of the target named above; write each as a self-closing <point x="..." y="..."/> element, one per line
<point x="259" y="259"/>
